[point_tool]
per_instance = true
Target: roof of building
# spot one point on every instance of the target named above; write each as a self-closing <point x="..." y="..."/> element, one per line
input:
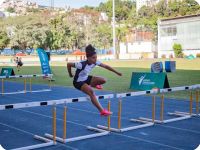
<point x="181" y="17"/>
<point x="178" y="20"/>
<point x="86" y="12"/>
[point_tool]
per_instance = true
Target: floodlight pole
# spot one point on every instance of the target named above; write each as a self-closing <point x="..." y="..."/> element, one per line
<point x="52" y="4"/>
<point x="113" y="22"/>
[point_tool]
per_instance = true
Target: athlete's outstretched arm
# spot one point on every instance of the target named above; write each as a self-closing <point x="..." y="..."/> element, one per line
<point x="69" y="68"/>
<point x="110" y="69"/>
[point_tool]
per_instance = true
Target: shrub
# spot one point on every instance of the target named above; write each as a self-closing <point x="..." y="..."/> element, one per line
<point x="178" y="50"/>
<point x="198" y="55"/>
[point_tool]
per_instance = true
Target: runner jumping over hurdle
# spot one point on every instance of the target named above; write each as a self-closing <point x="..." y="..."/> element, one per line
<point x="83" y="81"/>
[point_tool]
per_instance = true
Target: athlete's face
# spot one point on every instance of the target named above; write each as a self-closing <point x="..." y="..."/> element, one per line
<point x="92" y="59"/>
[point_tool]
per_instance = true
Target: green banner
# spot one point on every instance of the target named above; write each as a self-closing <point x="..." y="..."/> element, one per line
<point x="148" y="81"/>
<point x="7" y="72"/>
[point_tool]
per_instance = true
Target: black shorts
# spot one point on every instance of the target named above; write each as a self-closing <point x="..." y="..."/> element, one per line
<point x="78" y="85"/>
<point x="19" y="63"/>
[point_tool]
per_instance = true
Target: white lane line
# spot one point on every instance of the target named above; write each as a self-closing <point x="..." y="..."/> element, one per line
<point x="29" y="133"/>
<point x="148" y="141"/>
<point x="186" y="130"/>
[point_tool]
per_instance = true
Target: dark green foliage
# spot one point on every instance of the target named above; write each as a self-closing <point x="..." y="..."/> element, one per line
<point x="10" y="9"/>
<point x="4" y="39"/>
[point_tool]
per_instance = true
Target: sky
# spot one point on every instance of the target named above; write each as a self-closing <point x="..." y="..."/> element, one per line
<point x="71" y="3"/>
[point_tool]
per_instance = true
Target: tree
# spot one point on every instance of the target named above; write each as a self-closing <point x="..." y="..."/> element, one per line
<point x="4" y="39"/>
<point x="122" y="9"/>
<point x="145" y="11"/>
<point x="10" y="10"/>
<point x="161" y="8"/>
<point x="31" y="37"/>
<point x="177" y="50"/>
<point x="121" y="33"/>
<point x="42" y="28"/>
<point x="42" y="38"/>
<point x="22" y="38"/>
<point x="60" y="31"/>
<point x="103" y="36"/>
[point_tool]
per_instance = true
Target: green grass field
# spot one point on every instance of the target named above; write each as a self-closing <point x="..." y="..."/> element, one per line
<point x="187" y="73"/>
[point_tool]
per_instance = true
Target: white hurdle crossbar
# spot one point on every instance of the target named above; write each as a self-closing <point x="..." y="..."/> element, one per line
<point x="143" y="124"/>
<point x="25" y="77"/>
<point x="51" y="102"/>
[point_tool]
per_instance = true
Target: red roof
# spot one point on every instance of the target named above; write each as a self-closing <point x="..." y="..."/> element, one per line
<point x="78" y="52"/>
<point x="20" y="54"/>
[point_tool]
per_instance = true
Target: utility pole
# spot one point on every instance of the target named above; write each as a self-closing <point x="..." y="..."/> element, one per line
<point x="52" y="4"/>
<point x="114" y="34"/>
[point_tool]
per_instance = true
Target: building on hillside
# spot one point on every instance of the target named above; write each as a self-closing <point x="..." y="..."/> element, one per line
<point x="140" y="3"/>
<point x="150" y="3"/>
<point x="181" y="30"/>
<point x="19" y="6"/>
<point x="85" y="16"/>
<point x="139" y="44"/>
<point x="2" y="15"/>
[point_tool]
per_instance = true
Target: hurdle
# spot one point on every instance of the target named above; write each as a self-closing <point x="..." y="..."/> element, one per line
<point x="54" y="103"/>
<point x="143" y="124"/>
<point x="99" y="133"/>
<point x="46" y="142"/>
<point x="190" y="113"/>
<point x="179" y="115"/>
<point x="25" y="77"/>
<point x="197" y="102"/>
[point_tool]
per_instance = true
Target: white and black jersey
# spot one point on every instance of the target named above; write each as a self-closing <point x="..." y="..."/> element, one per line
<point x="83" y="69"/>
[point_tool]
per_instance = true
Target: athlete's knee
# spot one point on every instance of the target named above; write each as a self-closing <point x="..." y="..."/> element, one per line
<point x="103" y="80"/>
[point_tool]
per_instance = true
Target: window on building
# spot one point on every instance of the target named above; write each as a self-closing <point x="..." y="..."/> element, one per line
<point x="168" y="31"/>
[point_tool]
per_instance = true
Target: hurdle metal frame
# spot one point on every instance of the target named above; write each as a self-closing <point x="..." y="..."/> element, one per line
<point x="25" y="81"/>
<point x="190" y="113"/>
<point x="54" y="103"/>
<point x="84" y="137"/>
<point x="99" y="133"/>
<point x="46" y="144"/>
<point x="179" y="115"/>
<point x="143" y="124"/>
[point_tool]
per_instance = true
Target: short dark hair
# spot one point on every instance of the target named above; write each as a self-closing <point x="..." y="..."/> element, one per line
<point x="90" y="50"/>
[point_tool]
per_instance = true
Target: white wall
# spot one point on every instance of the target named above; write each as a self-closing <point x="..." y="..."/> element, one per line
<point x="130" y="56"/>
<point x="136" y="47"/>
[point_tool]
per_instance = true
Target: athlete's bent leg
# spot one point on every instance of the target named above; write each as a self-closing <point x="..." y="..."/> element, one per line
<point x="97" y="81"/>
<point x="89" y="91"/>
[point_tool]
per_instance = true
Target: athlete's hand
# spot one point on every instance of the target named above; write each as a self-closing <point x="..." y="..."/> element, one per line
<point x="119" y="74"/>
<point x="71" y="76"/>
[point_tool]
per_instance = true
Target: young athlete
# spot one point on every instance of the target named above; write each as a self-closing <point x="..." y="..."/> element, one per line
<point x="19" y="63"/>
<point x="84" y="82"/>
